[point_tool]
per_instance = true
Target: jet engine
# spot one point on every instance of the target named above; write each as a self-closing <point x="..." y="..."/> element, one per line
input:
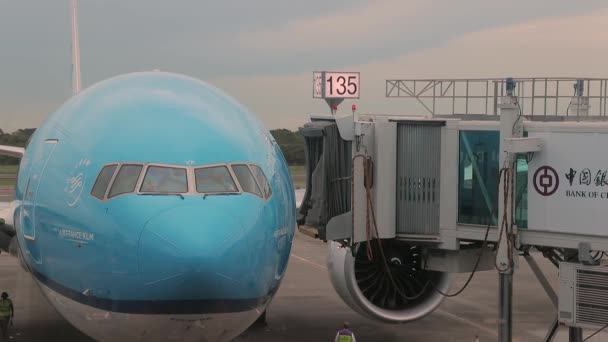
<point x="405" y="294"/>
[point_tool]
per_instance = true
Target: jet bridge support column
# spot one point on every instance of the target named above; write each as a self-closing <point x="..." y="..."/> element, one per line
<point x="510" y="127"/>
<point x="575" y="334"/>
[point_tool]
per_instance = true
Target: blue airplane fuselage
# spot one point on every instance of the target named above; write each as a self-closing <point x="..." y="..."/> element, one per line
<point x="176" y="265"/>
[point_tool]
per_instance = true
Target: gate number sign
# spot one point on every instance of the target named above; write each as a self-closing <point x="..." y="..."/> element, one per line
<point x="341" y="85"/>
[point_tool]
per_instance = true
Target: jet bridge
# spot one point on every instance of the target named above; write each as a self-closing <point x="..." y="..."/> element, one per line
<point x="481" y="171"/>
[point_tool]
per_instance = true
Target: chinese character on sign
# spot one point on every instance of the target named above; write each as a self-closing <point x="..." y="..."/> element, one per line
<point x="570" y="176"/>
<point x="585" y="178"/>
<point x="601" y="178"/>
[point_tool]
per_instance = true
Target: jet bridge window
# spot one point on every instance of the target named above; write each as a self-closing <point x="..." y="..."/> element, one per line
<point x="125" y="180"/>
<point x="262" y="181"/>
<point x="214" y="179"/>
<point x="164" y="179"/>
<point x="103" y="180"/>
<point x="521" y="191"/>
<point x="246" y="179"/>
<point x="478" y="177"/>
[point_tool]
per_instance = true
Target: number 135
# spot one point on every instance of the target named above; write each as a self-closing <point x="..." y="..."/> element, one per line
<point x="342" y="87"/>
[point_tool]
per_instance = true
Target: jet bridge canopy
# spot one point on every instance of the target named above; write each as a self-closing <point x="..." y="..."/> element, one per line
<point x="514" y="163"/>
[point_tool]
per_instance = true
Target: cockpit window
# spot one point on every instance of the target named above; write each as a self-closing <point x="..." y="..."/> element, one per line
<point x="246" y="179"/>
<point x="103" y="180"/>
<point x="214" y="179"/>
<point x="118" y="178"/>
<point x="163" y="179"/>
<point x="125" y="180"/>
<point x="262" y="181"/>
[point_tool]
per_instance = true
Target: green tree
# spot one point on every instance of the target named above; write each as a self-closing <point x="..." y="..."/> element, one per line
<point x="18" y="138"/>
<point x="292" y="145"/>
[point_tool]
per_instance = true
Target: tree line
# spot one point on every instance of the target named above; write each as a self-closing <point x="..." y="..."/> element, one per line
<point x="291" y="143"/>
<point x="18" y="138"/>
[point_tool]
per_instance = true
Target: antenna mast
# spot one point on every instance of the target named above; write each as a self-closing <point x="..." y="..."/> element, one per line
<point x="75" y="50"/>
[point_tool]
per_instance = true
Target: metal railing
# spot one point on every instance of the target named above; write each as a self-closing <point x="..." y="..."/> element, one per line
<point x="537" y="96"/>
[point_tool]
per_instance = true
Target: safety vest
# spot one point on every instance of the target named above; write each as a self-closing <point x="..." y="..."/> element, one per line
<point x="345" y="335"/>
<point x="5" y="308"/>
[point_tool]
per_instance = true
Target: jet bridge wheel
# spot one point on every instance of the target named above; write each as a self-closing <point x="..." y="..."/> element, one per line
<point x="405" y="264"/>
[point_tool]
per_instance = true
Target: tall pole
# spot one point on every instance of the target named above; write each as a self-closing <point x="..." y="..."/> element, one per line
<point x="505" y="306"/>
<point x="76" y="85"/>
<point x="575" y="334"/>
<point x="510" y="126"/>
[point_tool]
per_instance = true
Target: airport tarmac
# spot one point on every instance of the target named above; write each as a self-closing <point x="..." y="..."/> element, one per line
<point x="306" y="307"/>
<point x="7" y="193"/>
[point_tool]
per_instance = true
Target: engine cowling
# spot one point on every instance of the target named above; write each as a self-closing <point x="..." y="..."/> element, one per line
<point x="366" y="287"/>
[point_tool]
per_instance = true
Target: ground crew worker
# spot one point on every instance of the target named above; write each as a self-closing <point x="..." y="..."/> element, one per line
<point x="345" y="335"/>
<point x="6" y="314"/>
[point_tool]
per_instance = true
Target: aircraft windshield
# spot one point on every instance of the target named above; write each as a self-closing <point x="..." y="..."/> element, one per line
<point x="173" y="180"/>
<point x="126" y="180"/>
<point x="259" y="176"/>
<point x="248" y="183"/>
<point x="214" y="179"/>
<point x="103" y="180"/>
<point x="162" y="179"/>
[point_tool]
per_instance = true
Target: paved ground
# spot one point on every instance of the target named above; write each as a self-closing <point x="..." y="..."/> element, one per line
<point x="307" y="308"/>
<point x="7" y="193"/>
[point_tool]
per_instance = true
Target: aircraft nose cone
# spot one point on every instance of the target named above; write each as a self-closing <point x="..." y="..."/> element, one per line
<point x="193" y="245"/>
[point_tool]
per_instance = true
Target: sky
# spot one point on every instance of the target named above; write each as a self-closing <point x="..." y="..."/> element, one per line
<point x="263" y="52"/>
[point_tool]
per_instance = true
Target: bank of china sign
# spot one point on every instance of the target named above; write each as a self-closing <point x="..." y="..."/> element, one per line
<point x="568" y="184"/>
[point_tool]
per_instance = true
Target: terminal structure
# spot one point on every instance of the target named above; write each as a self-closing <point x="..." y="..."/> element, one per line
<point x="481" y="172"/>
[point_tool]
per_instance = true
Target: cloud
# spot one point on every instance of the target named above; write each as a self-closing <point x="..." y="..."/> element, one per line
<point x="549" y="47"/>
<point x="355" y="26"/>
<point x="378" y="30"/>
<point x="264" y="51"/>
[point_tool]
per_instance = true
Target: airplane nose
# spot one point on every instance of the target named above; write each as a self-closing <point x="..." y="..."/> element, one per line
<point x="203" y="265"/>
<point x="195" y="251"/>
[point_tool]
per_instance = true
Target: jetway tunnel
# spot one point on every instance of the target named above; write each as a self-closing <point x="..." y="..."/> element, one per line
<point x="427" y="196"/>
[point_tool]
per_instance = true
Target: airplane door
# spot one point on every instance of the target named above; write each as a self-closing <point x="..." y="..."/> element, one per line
<point x="39" y="162"/>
